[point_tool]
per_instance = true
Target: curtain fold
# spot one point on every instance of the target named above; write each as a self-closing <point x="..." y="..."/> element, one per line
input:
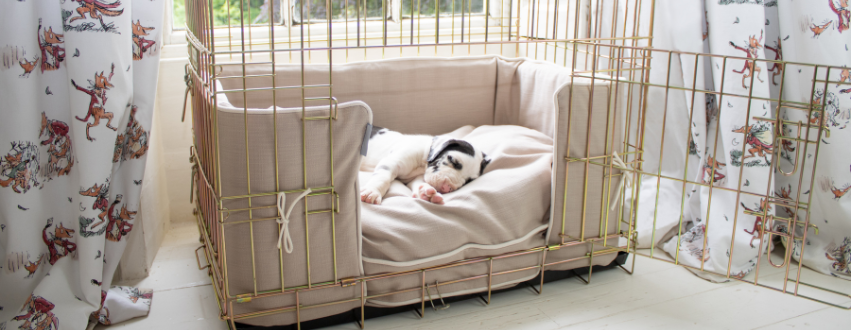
<point x="818" y="32"/>
<point x="736" y="148"/>
<point x="77" y="85"/>
<point x="728" y="147"/>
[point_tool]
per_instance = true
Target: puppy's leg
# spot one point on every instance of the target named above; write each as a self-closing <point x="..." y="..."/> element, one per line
<point x="425" y="191"/>
<point x="385" y="172"/>
<point x="403" y="161"/>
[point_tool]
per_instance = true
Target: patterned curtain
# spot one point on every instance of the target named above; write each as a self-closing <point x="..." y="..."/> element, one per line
<point x="818" y="32"/>
<point x="734" y="29"/>
<point x="814" y="31"/>
<point x="77" y="85"/>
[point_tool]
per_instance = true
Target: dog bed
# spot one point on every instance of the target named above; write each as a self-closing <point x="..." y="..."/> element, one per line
<point x="504" y="210"/>
<point x="413" y="96"/>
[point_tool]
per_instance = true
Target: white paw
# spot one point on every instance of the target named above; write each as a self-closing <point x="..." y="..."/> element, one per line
<point x="370" y="195"/>
<point x="427" y="193"/>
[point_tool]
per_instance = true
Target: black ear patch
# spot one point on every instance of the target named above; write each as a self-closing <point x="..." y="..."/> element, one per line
<point x="439" y="146"/>
<point x="376" y="130"/>
<point x="485" y="162"/>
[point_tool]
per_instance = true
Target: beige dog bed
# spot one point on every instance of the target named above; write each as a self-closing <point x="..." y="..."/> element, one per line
<point x="504" y="210"/>
<point x="534" y="104"/>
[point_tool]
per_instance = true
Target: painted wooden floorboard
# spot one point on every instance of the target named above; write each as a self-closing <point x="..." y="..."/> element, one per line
<point x="825" y="318"/>
<point x="659" y="295"/>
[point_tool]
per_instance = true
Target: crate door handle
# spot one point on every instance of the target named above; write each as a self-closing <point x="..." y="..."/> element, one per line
<point x="198" y="260"/>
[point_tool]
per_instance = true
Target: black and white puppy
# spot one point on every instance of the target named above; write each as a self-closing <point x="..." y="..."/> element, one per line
<point x="429" y="165"/>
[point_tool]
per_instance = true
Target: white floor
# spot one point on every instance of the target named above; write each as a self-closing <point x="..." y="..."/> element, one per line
<point x="659" y="296"/>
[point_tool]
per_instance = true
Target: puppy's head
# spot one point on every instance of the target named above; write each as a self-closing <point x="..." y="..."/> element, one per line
<point x="453" y="163"/>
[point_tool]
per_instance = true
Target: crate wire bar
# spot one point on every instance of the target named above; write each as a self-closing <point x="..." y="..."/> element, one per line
<point x="562" y="32"/>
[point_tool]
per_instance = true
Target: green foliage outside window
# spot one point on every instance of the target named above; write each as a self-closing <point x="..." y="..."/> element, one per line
<point x="258" y="11"/>
<point x="253" y="12"/>
<point x="427" y="7"/>
<point x="317" y="9"/>
<point x="179" y="14"/>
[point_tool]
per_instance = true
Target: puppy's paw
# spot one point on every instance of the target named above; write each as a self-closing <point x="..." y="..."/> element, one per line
<point x="427" y="193"/>
<point x="370" y="195"/>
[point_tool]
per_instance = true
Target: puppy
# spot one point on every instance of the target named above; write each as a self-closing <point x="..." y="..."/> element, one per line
<point x="430" y="165"/>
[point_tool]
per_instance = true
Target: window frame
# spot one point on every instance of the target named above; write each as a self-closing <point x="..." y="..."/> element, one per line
<point x="173" y="35"/>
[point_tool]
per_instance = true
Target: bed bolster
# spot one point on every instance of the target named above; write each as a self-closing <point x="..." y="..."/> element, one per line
<point x="589" y="123"/>
<point x="412" y="95"/>
<point x="550" y="99"/>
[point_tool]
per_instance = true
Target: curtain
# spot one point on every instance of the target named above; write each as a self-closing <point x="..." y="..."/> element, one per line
<point x="732" y="148"/>
<point x="736" y="29"/>
<point x="77" y="85"/>
<point x="818" y="32"/>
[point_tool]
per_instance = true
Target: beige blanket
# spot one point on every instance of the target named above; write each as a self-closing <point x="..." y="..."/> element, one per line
<point x="507" y="207"/>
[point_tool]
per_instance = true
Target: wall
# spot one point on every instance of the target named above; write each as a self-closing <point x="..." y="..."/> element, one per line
<point x="175" y="135"/>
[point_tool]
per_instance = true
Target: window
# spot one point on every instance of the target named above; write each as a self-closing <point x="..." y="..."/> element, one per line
<point x="254" y="12"/>
<point x="259" y="13"/>
<point x="426" y="8"/>
<point x="178" y="15"/>
<point x="372" y="9"/>
<point x="316" y="12"/>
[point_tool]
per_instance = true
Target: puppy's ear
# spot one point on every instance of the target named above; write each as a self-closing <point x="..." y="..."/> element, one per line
<point x="439" y="145"/>
<point x="485" y="162"/>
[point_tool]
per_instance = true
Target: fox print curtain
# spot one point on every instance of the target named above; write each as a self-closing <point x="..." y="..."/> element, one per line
<point x="77" y="84"/>
<point x="818" y="32"/>
<point x="734" y="29"/>
<point x="748" y="153"/>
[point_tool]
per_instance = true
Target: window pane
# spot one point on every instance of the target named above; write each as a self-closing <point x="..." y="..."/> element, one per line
<point x="270" y="9"/>
<point x="179" y="15"/>
<point x="260" y="11"/>
<point x="427" y="7"/>
<point x="317" y="10"/>
<point x="253" y="11"/>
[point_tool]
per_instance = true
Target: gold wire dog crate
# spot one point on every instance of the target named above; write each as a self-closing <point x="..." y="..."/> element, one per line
<point x="275" y="118"/>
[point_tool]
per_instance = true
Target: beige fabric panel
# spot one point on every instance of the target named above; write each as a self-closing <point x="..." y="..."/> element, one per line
<point x="524" y="93"/>
<point x="351" y="122"/>
<point x="601" y="113"/>
<point x="543" y="96"/>
<point x="307" y="298"/>
<point x="604" y="120"/>
<point x="414" y="280"/>
<point x="409" y="95"/>
<point x="574" y="252"/>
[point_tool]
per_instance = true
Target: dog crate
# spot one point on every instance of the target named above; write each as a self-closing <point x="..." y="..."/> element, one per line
<point x="280" y="112"/>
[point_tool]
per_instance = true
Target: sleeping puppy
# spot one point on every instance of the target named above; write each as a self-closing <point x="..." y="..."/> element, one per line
<point x="431" y="166"/>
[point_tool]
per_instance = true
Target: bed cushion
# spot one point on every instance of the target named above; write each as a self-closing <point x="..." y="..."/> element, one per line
<point x="504" y="210"/>
<point x="414" y="95"/>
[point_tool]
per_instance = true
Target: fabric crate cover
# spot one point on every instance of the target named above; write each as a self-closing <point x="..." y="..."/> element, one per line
<point x="484" y="90"/>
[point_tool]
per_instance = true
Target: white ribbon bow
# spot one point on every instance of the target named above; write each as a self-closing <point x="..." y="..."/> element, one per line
<point x="284" y="220"/>
<point x="626" y="180"/>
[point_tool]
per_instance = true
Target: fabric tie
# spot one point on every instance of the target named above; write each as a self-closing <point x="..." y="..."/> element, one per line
<point x="626" y="180"/>
<point x="284" y="220"/>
